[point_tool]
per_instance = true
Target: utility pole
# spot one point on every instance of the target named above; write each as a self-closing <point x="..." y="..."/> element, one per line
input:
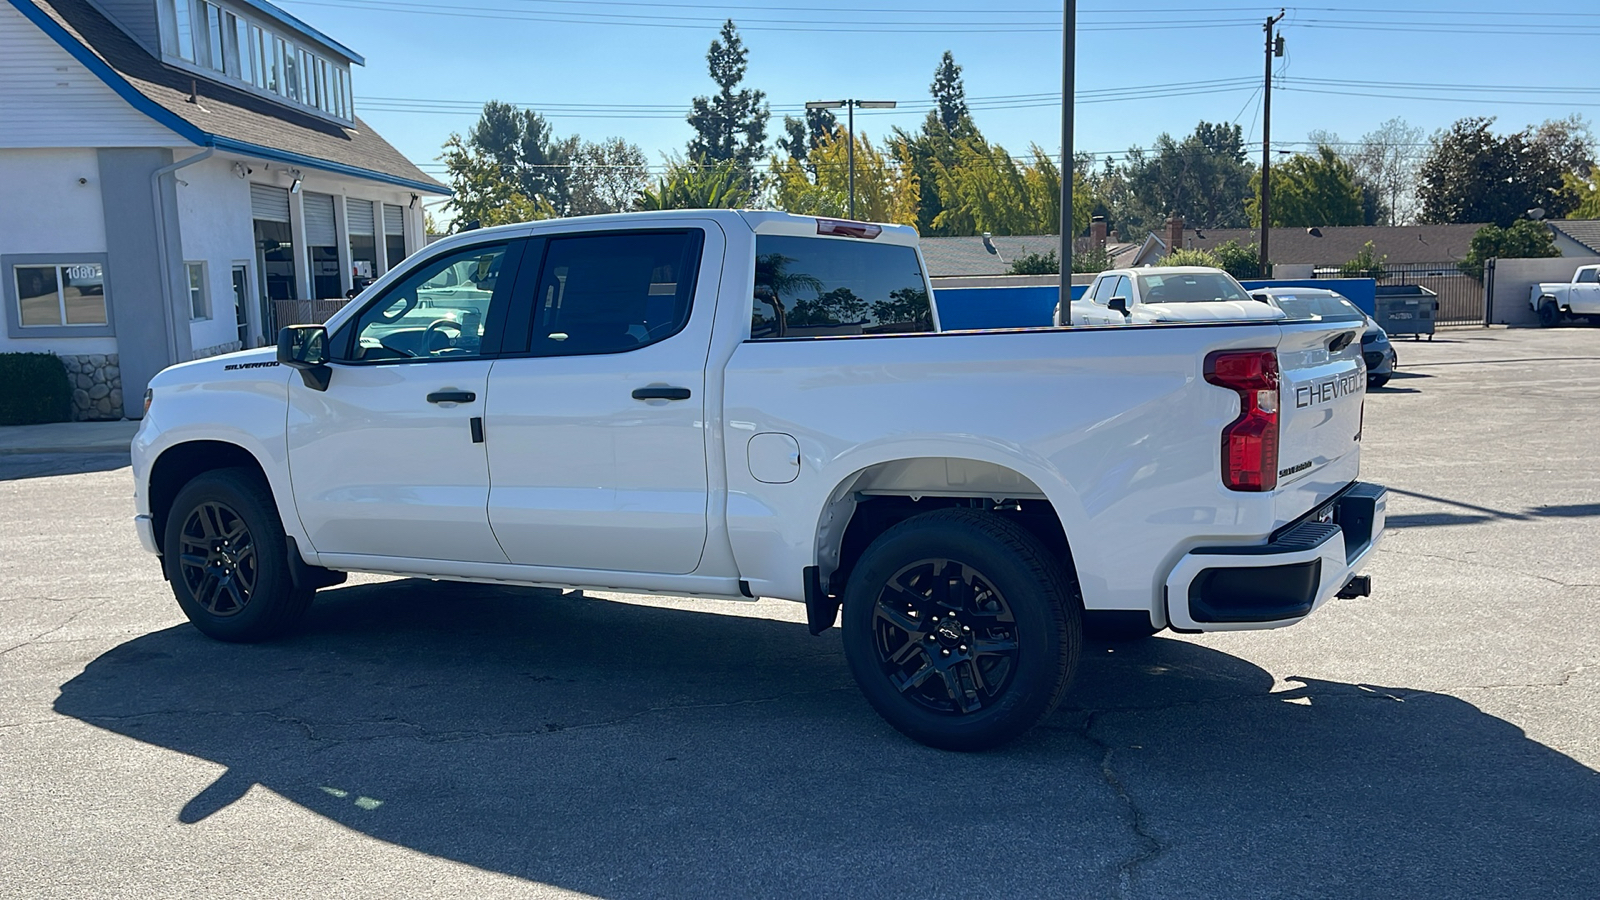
<point x="850" y="133"/>
<point x="1069" y="29"/>
<point x="1274" y="49"/>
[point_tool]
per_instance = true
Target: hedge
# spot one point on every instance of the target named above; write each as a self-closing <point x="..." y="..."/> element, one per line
<point x="33" y="389"/>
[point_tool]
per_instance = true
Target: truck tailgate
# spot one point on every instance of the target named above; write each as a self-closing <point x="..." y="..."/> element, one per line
<point x="1323" y="385"/>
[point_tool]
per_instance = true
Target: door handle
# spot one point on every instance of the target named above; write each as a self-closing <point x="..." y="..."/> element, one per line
<point x="452" y="397"/>
<point x="661" y="393"/>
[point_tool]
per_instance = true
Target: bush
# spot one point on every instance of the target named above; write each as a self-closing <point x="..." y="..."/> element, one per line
<point x="1095" y="259"/>
<point x="1367" y="264"/>
<point x="1524" y="239"/>
<point x="1192" y="257"/>
<point x="1239" y="260"/>
<point x="33" y="389"/>
<point x="1036" y="264"/>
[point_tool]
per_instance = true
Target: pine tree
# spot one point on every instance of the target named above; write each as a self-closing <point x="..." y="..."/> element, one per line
<point x="732" y="124"/>
<point x="525" y="149"/>
<point x="950" y="94"/>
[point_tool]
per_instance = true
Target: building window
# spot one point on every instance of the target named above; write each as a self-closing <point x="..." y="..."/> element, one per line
<point x="60" y="294"/>
<point x="238" y="48"/>
<point x="199" y="299"/>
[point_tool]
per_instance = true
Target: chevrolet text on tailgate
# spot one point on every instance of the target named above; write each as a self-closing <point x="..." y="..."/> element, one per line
<point x="729" y="404"/>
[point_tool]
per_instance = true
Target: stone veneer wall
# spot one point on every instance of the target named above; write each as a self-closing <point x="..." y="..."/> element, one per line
<point x="96" y="386"/>
<point x="218" y="350"/>
<point x="96" y="381"/>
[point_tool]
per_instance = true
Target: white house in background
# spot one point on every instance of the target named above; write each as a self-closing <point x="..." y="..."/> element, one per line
<point x="168" y="168"/>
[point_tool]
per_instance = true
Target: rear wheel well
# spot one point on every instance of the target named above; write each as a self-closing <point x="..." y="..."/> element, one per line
<point x="180" y="464"/>
<point x="875" y="515"/>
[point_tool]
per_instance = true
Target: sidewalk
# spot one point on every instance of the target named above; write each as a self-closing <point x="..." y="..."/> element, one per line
<point x="67" y="437"/>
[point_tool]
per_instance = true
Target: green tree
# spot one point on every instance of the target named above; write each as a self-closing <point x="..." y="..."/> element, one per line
<point x="482" y="194"/>
<point x="607" y="177"/>
<point x="731" y="125"/>
<point x="985" y="189"/>
<point x="925" y="152"/>
<point x="949" y="95"/>
<point x="692" y="185"/>
<point x="1473" y="175"/>
<point x="1310" y="189"/>
<point x="1522" y="239"/>
<point x="1094" y="259"/>
<point x="526" y="151"/>
<point x="1367" y="264"/>
<point x="820" y="186"/>
<point x="1584" y="193"/>
<point x="1205" y="177"/>
<point x="803" y="136"/>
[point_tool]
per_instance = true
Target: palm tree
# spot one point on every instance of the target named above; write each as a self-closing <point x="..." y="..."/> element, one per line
<point x="774" y="280"/>
<point x="697" y="186"/>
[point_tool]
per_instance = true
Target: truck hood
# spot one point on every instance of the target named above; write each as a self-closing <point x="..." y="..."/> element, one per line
<point x="244" y="364"/>
<point x="1210" y="311"/>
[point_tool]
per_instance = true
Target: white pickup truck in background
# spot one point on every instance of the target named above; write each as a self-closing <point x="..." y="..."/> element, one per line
<point x="1157" y="295"/>
<point x="1580" y="297"/>
<point x="731" y="404"/>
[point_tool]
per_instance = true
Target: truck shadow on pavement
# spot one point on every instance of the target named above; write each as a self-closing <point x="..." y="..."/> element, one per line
<point x="627" y="751"/>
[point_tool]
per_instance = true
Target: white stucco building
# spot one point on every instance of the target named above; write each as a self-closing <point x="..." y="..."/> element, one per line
<point x="168" y="169"/>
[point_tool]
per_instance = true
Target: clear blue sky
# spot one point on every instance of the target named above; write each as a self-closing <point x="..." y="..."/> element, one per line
<point x="1346" y="70"/>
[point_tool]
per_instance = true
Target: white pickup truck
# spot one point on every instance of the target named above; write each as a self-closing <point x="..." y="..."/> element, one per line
<point x="1157" y="295"/>
<point x="1580" y="297"/>
<point x="752" y="404"/>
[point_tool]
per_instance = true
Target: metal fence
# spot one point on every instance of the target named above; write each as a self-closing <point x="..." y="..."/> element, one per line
<point x="302" y="312"/>
<point x="1462" y="299"/>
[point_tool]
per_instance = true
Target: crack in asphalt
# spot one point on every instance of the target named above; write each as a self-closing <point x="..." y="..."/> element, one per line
<point x="40" y="637"/>
<point x="1153" y="848"/>
<point x="1497" y="568"/>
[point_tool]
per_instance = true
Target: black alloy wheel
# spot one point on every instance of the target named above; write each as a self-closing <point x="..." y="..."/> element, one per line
<point x="961" y="628"/>
<point x="945" y="636"/>
<point x="218" y="562"/>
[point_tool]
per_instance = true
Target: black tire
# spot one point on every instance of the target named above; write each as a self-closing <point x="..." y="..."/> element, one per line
<point x="1549" y="315"/>
<point x="1017" y="601"/>
<point x="228" y="561"/>
<point x="1377" y="381"/>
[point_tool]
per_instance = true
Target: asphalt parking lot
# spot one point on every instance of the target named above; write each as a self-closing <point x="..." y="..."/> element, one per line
<point x="1440" y="739"/>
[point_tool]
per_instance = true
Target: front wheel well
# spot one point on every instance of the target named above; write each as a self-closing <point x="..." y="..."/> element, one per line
<point x="182" y="463"/>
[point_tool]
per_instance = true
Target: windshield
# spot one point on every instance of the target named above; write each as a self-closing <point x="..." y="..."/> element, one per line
<point x="1189" y="287"/>
<point x="1324" y="307"/>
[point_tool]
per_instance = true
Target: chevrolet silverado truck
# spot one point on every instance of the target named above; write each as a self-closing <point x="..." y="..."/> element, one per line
<point x="1554" y="301"/>
<point x="737" y="404"/>
<point x="1157" y="295"/>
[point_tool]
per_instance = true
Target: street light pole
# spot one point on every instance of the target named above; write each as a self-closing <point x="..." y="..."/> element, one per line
<point x="1069" y="29"/>
<point x="850" y="133"/>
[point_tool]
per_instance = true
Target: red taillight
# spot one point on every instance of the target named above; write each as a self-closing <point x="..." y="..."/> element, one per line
<point x="846" y="228"/>
<point x="1250" y="442"/>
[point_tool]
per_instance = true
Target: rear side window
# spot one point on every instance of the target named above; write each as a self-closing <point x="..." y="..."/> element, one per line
<point x="613" y="292"/>
<point x="814" y="287"/>
<point x="1588" y="276"/>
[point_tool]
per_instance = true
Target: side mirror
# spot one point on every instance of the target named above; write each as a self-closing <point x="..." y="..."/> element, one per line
<point x="1119" y="304"/>
<point x="305" y="347"/>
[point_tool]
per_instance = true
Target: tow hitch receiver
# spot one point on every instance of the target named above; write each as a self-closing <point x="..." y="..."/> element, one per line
<point x="1358" y="586"/>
